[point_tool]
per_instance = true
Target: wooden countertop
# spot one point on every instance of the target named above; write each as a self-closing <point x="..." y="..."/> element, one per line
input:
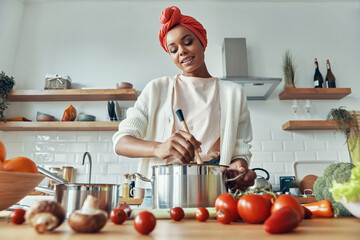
<point x="329" y="229"/>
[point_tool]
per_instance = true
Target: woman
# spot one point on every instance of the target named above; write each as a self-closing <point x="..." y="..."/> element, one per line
<point x="215" y="111"/>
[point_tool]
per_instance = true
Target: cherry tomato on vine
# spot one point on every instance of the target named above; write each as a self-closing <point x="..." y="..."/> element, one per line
<point x="223" y="216"/>
<point x="118" y="216"/>
<point x="228" y="202"/>
<point x="253" y="208"/>
<point x="269" y="197"/>
<point x="144" y="222"/>
<point x="17" y="216"/>
<point x="288" y="200"/>
<point x="201" y="214"/>
<point x="177" y="213"/>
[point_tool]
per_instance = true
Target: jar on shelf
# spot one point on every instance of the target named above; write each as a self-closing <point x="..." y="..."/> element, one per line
<point x="126" y="186"/>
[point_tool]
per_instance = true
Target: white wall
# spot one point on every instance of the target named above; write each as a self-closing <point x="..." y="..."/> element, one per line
<point x="99" y="44"/>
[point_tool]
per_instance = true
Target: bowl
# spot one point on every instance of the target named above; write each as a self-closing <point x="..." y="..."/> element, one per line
<point x="352" y="206"/>
<point x="86" y="117"/>
<point x="44" y="118"/>
<point x="16" y="185"/>
<point x="124" y="85"/>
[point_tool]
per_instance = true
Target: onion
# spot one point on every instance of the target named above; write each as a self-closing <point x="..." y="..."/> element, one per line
<point x="126" y="208"/>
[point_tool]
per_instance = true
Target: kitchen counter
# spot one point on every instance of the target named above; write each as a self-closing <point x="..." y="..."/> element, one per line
<point x="335" y="228"/>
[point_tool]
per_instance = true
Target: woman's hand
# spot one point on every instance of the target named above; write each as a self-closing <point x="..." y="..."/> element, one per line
<point x="240" y="166"/>
<point x="180" y="145"/>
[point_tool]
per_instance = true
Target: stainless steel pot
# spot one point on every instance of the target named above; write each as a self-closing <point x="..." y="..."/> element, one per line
<point x="187" y="185"/>
<point x="72" y="195"/>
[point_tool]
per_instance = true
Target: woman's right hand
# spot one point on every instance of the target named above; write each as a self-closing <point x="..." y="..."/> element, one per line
<point x="180" y="145"/>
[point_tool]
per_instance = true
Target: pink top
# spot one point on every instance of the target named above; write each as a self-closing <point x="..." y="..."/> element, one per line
<point x="199" y="100"/>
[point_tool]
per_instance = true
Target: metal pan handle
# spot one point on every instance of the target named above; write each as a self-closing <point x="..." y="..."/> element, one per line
<point x="142" y="177"/>
<point x="235" y="178"/>
<point x="51" y="175"/>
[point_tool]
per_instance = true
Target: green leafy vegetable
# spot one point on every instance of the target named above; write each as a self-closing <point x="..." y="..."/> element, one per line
<point x="350" y="190"/>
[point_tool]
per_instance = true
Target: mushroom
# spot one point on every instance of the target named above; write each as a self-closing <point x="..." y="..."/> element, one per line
<point x="45" y="216"/>
<point x="89" y="218"/>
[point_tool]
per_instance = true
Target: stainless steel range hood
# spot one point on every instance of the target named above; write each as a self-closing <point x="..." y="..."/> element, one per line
<point x="235" y="68"/>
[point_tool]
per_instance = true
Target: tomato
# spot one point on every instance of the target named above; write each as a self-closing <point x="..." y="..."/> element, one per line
<point x="283" y="220"/>
<point x="17" y="216"/>
<point x="287" y="200"/>
<point x="223" y="216"/>
<point x="177" y="213"/>
<point x="228" y="202"/>
<point x="118" y="216"/>
<point x="201" y="214"/>
<point x="144" y="222"/>
<point x="253" y="208"/>
<point x="269" y="197"/>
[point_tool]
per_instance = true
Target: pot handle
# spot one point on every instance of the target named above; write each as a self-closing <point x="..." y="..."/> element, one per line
<point x="51" y="175"/>
<point x="142" y="177"/>
<point x="233" y="179"/>
<point x="261" y="169"/>
<point x="45" y="190"/>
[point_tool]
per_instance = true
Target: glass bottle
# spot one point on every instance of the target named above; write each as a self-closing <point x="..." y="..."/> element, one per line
<point x="132" y="184"/>
<point x="126" y="187"/>
<point x="330" y="78"/>
<point x="318" y="79"/>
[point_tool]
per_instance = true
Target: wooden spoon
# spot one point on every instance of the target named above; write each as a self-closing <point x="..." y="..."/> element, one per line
<point x="182" y="120"/>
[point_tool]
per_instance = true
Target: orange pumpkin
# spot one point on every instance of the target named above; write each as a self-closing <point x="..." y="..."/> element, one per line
<point x="20" y="164"/>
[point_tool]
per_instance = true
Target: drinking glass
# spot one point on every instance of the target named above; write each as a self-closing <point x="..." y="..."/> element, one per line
<point x="295" y="107"/>
<point x="307" y="107"/>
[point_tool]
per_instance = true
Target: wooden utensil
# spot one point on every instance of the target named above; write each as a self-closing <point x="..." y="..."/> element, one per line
<point x="182" y="120"/>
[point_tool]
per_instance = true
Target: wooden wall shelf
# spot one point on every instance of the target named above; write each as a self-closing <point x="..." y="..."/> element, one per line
<point x="59" y="126"/>
<point x="73" y="95"/>
<point x="310" y="125"/>
<point x="314" y="93"/>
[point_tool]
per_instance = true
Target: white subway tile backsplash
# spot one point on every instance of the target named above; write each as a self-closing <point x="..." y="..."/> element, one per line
<point x="255" y="146"/>
<point x="105" y="136"/>
<point x="106" y="179"/>
<point x="25" y="136"/>
<point x="115" y="168"/>
<point x="76" y="147"/>
<point x="305" y="156"/>
<point x="46" y="136"/>
<point x="328" y="156"/>
<point x="99" y="169"/>
<point x="261" y="135"/>
<point x="289" y="168"/>
<point x="272" y="146"/>
<point x="324" y="135"/>
<point x="315" y="145"/>
<point x="14" y="147"/>
<point x="336" y="145"/>
<point x="344" y="156"/>
<point x="42" y="157"/>
<point x="284" y="157"/>
<point x="88" y="136"/>
<point x="256" y="164"/>
<point x="69" y="158"/>
<point x="303" y="135"/>
<point x="262" y="157"/>
<point x="294" y="145"/>
<point x="97" y="146"/>
<point x="281" y="135"/>
<point x="67" y="136"/>
<point x="274" y="167"/>
<point x="7" y="136"/>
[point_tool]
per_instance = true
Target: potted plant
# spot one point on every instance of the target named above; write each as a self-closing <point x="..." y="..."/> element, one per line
<point x="6" y="85"/>
<point x="348" y="125"/>
<point x="288" y="69"/>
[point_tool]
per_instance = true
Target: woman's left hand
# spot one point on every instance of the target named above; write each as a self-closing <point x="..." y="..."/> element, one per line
<point x="240" y="166"/>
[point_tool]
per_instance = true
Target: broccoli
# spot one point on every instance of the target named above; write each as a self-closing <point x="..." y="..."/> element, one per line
<point x="336" y="171"/>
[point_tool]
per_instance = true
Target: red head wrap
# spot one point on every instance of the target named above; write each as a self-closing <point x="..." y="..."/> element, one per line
<point x="172" y="16"/>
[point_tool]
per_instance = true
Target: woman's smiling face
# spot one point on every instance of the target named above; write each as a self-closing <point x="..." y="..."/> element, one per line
<point x="186" y="51"/>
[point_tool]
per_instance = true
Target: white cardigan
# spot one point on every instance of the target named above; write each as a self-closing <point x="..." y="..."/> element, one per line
<point x="151" y="119"/>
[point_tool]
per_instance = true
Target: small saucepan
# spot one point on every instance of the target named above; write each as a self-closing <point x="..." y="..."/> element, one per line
<point x="72" y="195"/>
